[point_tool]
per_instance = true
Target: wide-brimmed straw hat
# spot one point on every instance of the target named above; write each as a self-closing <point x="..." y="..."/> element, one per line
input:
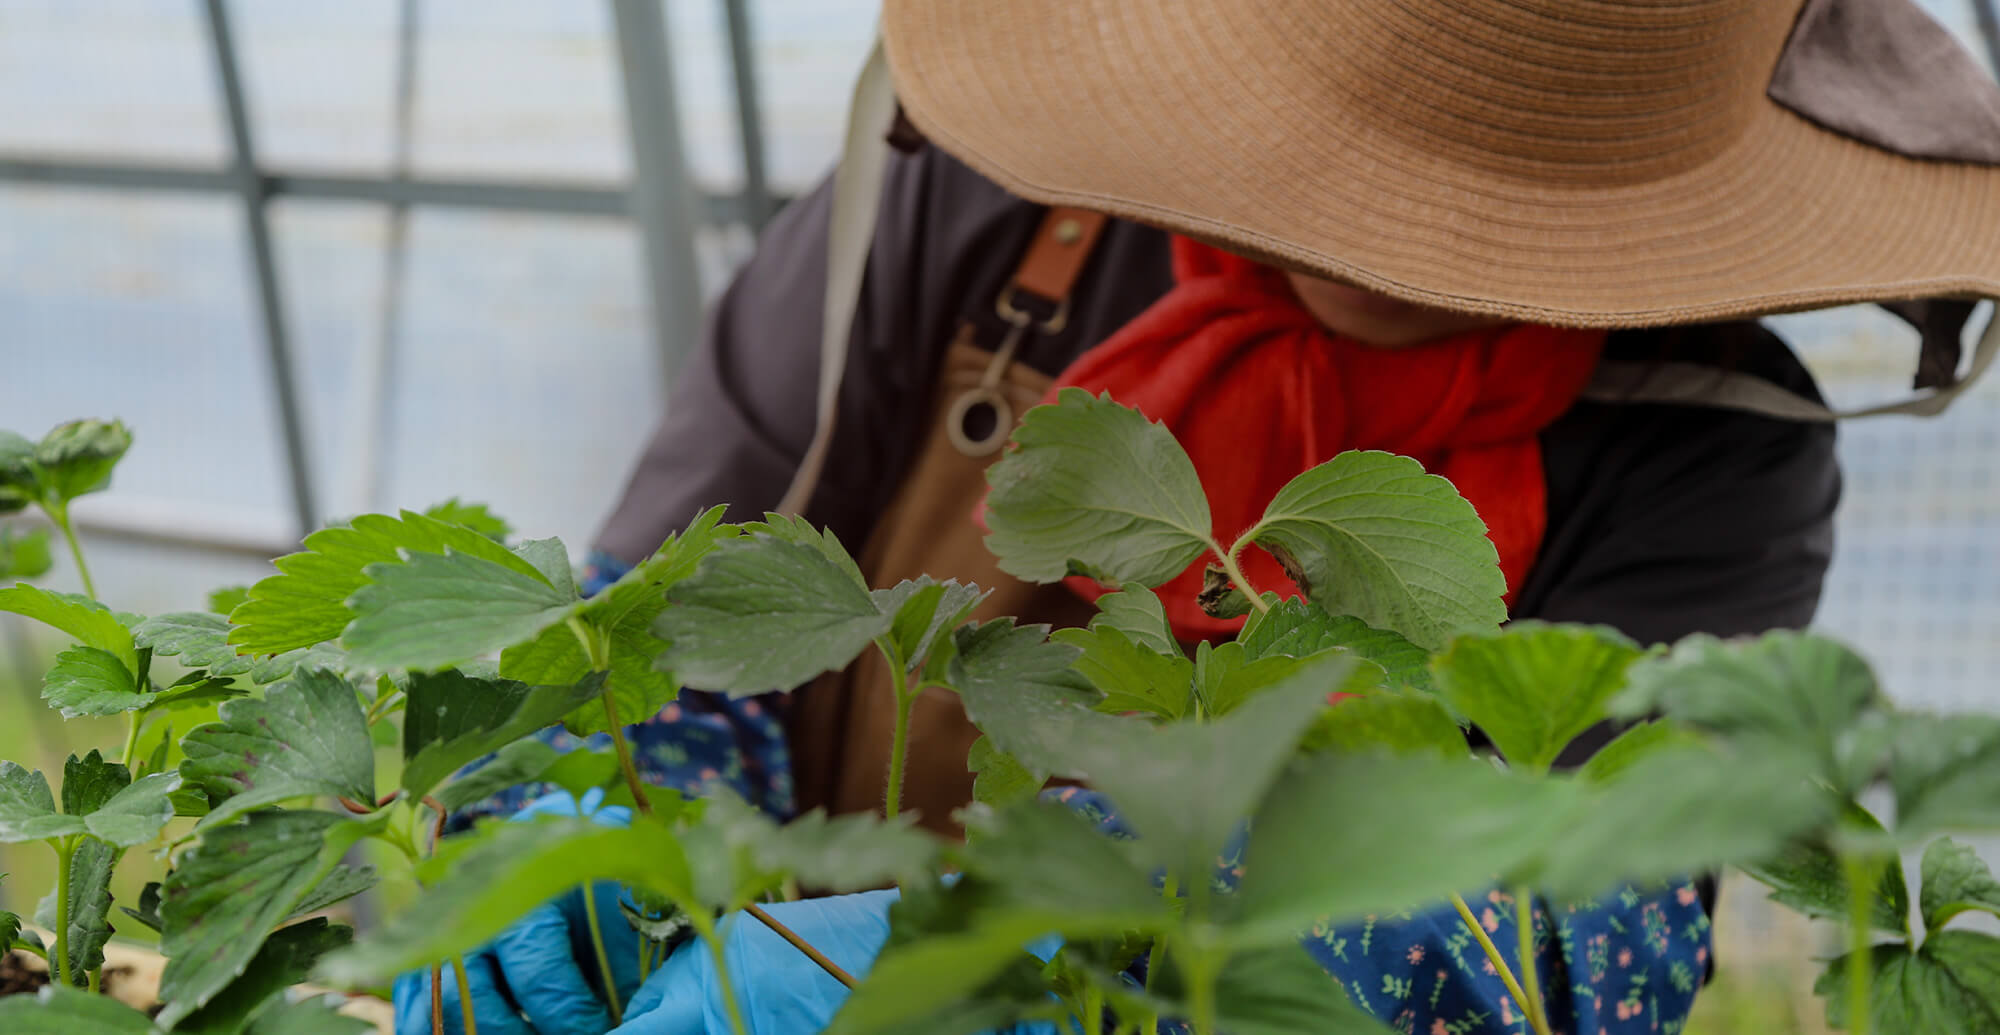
<point x="1574" y="162"/>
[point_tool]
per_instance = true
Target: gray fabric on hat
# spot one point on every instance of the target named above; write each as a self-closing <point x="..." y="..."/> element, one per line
<point x="1883" y="72"/>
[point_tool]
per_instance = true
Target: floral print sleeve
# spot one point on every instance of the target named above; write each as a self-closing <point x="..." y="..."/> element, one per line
<point x="1626" y="964"/>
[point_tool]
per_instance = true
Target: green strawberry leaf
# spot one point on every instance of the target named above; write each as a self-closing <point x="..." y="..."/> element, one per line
<point x="843" y="854"/>
<point x="77" y="457"/>
<point x="763" y="613"/>
<point x="10" y="931"/>
<point x="436" y="610"/>
<point x="1949" y="987"/>
<point x="1277" y="990"/>
<point x="90" y="622"/>
<point x="1094" y="488"/>
<point x="28" y="809"/>
<point x="923" y="610"/>
<point x="1020" y="690"/>
<point x="198" y="690"/>
<point x="1946" y="773"/>
<point x="551" y="558"/>
<point x="1301" y="629"/>
<point x="306" y="602"/>
<point x="1956" y="881"/>
<point x="453" y="719"/>
<point x="267" y="670"/>
<point x="1700" y="809"/>
<point x="1185" y="787"/>
<point x="1532" y="687"/>
<point x="623" y="613"/>
<point x="286" y="959"/>
<point x="1401" y="721"/>
<point x="227" y="599"/>
<point x="1789" y="689"/>
<point x="1296" y="875"/>
<point x="115" y="808"/>
<point x="1806" y="876"/>
<point x="20" y="484"/>
<point x="1226" y="676"/>
<point x="524" y="761"/>
<point x="23" y="556"/>
<point x="63" y="1011"/>
<point x="1369" y="534"/>
<point x="87" y="681"/>
<point x="1640" y="741"/>
<point x="1137" y="612"/>
<point x="476" y="516"/>
<point x="1000" y="779"/>
<point x="490" y="878"/>
<point x="305" y="738"/>
<point x="1133" y="677"/>
<point x="238" y="882"/>
<point x="199" y="639"/>
<point x="90" y="867"/>
<point x="317" y="1016"/>
<point x="340" y="884"/>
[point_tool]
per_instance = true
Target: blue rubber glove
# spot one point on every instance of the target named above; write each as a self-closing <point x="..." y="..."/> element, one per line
<point x="529" y="981"/>
<point x="780" y="991"/>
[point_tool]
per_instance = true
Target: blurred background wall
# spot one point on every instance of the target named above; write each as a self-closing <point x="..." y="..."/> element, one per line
<point x="508" y="350"/>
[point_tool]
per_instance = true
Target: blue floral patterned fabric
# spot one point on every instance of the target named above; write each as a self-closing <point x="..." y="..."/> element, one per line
<point x="1627" y="964"/>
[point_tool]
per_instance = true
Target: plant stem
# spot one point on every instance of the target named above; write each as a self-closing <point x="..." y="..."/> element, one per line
<point x="464" y="996"/>
<point x="437" y="998"/>
<point x="645" y="958"/>
<point x="728" y="987"/>
<point x="1499" y="962"/>
<point x="59" y="513"/>
<point x="899" y="744"/>
<point x="381" y="707"/>
<point x="59" y="963"/>
<point x="801" y="944"/>
<point x="1200" y="971"/>
<point x="131" y="737"/>
<point x="1531" y="975"/>
<point x="1236" y="575"/>
<point x="1861" y="874"/>
<point x="599" y="652"/>
<point x="603" y="957"/>
<point x="96" y="980"/>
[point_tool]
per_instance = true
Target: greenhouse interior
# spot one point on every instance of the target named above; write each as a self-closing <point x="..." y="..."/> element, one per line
<point x="448" y="262"/>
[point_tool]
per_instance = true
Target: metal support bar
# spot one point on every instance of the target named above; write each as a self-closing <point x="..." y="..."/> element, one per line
<point x="662" y="197"/>
<point x="749" y="114"/>
<point x="270" y="304"/>
<point x="1989" y="29"/>
<point x="579" y="200"/>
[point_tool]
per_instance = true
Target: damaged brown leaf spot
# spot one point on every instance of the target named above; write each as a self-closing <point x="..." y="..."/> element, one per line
<point x="1293" y="570"/>
<point x="1219" y="597"/>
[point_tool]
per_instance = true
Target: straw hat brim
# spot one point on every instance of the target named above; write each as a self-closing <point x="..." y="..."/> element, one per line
<point x="1138" y="111"/>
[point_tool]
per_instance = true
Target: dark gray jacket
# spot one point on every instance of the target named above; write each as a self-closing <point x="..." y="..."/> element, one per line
<point x="1663" y="520"/>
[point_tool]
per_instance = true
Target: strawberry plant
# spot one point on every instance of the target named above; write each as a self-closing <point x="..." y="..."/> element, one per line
<point x="1343" y="708"/>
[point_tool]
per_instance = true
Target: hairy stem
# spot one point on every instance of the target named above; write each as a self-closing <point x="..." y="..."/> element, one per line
<point x="899" y="745"/>
<point x="59" y="513"/>
<point x="1493" y="954"/>
<point x="1237" y="574"/>
<point x="59" y="963"/>
<point x="1531" y="976"/>
<point x="437" y="998"/>
<point x="96" y="980"/>
<point x="464" y="995"/>
<point x="603" y="957"/>
<point x="801" y="944"/>
<point x="1861" y="875"/>
<point x="599" y="652"/>
<point x="728" y="987"/>
<point x="381" y="706"/>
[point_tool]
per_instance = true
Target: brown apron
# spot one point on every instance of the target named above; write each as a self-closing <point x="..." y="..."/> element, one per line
<point x="841" y="725"/>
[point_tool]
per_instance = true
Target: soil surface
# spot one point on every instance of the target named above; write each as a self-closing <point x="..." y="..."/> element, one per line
<point x="25" y="974"/>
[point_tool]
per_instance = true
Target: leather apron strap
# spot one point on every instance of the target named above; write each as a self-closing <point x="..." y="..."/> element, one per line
<point x="840" y="726"/>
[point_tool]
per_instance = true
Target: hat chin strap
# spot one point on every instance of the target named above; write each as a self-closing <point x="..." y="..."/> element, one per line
<point x="1689" y="384"/>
